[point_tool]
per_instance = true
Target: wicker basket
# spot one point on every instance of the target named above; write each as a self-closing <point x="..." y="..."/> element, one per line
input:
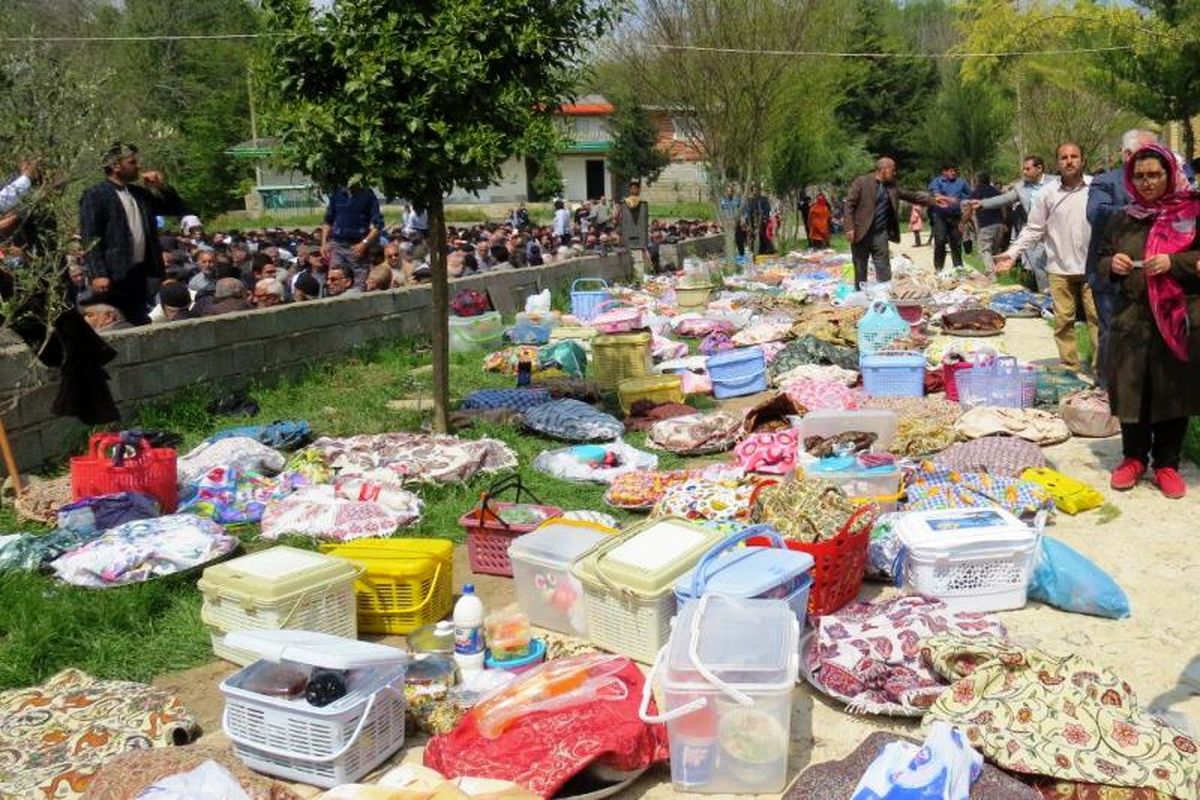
<point x="617" y="356"/>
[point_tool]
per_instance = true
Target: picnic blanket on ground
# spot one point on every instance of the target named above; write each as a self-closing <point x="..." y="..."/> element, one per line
<point x="233" y="496"/>
<point x="995" y="455"/>
<point x="573" y="421"/>
<point x="144" y="549"/>
<point x="318" y="512"/>
<point x="423" y="458"/>
<point x="56" y="736"/>
<point x="931" y="488"/>
<point x="697" y="434"/>
<point x="808" y="349"/>
<point x="126" y="776"/>
<point x="924" y="425"/>
<point x="868" y="655"/>
<point x="1035" y="712"/>
<point x="583" y="463"/>
<point x="235" y="451"/>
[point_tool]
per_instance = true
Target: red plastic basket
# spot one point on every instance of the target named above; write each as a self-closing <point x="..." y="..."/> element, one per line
<point x="489" y="535"/>
<point x="912" y="313"/>
<point x="948" y="373"/>
<point x="121" y="463"/>
<point x="839" y="564"/>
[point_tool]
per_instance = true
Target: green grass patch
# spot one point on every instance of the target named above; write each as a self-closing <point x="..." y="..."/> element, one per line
<point x="1191" y="444"/>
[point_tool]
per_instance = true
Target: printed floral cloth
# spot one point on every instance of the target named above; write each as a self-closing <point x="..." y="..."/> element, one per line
<point x="827" y="373"/>
<point x="641" y="490"/>
<point x="1035" y="712"/>
<point x="762" y="333"/>
<point x="144" y="549"/>
<point x="811" y="350"/>
<point x="127" y="775"/>
<point x="924" y="425"/>
<point x="805" y="509"/>
<point x="1032" y="424"/>
<point x="701" y="499"/>
<point x="771" y="453"/>
<point x="241" y="452"/>
<point x="868" y="655"/>
<point x="1052" y="789"/>
<point x="697" y="434"/>
<point x="318" y="512"/>
<point x="995" y="455"/>
<point x="823" y="395"/>
<point x="418" y="457"/>
<point x="931" y="488"/>
<point x="56" y="736"/>
<point x="693" y="327"/>
<point x="233" y="496"/>
<point x="29" y="552"/>
<point x="664" y="349"/>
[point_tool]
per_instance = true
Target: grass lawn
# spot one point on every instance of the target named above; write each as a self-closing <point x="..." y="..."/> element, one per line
<point x="137" y="632"/>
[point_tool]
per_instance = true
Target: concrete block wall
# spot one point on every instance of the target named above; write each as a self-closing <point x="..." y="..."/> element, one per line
<point x="232" y="350"/>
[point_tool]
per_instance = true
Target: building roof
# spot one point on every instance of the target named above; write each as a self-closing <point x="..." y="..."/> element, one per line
<point x="590" y="105"/>
<point x="254" y="148"/>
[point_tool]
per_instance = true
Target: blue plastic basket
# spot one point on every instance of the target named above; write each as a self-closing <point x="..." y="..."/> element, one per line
<point x="584" y="301"/>
<point x="893" y="373"/>
<point x="879" y="327"/>
<point x="737" y="373"/>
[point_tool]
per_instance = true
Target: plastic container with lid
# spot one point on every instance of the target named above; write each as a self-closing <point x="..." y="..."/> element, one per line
<point x="281" y="587"/>
<point x="628" y="583"/>
<point x="774" y="573"/>
<point x="429" y="640"/>
<point x="541" y="562"/>
<point x="507" y="633"/>
<point x="831" y="422"/>
<point x="879" y="485"/>
<point x="726" y="677"/>
<point x="327" y="745"/>
<point x="535" y="654"/>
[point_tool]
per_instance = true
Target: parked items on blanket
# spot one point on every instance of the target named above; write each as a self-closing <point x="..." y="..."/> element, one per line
<point x="704" y="500"/>
<point x="805" y="509"/>
<point x="616" y="316"/>
<point x="840" y="444"/>
<point x="763" y="333"/>
<point x="736" y="373"/>
<point x="644" y="413"/>
<point x="405" y="582"/>
<point x="932" y="488"/>
<point x="241" y="452"/>
<point x="944" y="768"/>
<point x="827" y="373"/>
<point x="865" y="477"/>
<point x="1035" y="712"/>
<point x="1006" y="456"/>
<point x="698" y="434"/>
<point x="144" y="549"/>
<point x="1001" y="382"/>
<point x="423" y="458"/>
<point x="99" y="513"/>
<point x="1032" y="424"/>
<point x="926" y="424"/>
<point x="1066" y="579"/>
<point x="616" y="357"/>
<point x="1055" y="384"/>
<point x="281" y="434"/>
<point x="812" y="395"/>
<point x="808" y="349"/>
<point x="584" y="300"/>
<point x="596" y="463"/>
<point x="772" y="414"/>
<point x="655" y="388"/>
<point x="716" y="342"/>
<point x="972" y="560"/>
<point x="1069" y="495"/>
<point x="1020" y="303"/>
<point x="879" y="424"/>
<point x="389" y="493"/>
<point x="507" y="633"/>
<point x="58" y="735"/>
<point x="279" y="680"/>
<point x="1087" y="413"/>
<point x="694" y="326"/>
<point x="628" y="581"/>
<point x="726" y="677"/>
<point x="350" y="720"/>
<point x="232" y="496"/>
<point x="318" y="512"/>
<point x="893" y="373"/>
<point x="541" y="561"/>
<point x="127" y="775"/>
<point x="281" y="587"/>
<point x="973" y="320"/>
<point x="868" y="655"/>
<point x="125" y="463"/>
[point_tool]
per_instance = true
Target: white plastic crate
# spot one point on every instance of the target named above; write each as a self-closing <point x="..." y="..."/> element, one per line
<point x="971" y="559"/>
<point x="326" y="746"/>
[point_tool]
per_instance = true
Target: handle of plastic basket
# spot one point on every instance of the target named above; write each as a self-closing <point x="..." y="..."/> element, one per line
<point x="863" y="517"/>
<point x="701" y="574"/>
<point x="694" y="654"/>
<point x="647" y="692"/>
<point x="118" y="441"/>
<point x="433" y="587"/>
<point x="575" y="283"/>
<point x="503" y="485"/>
<point x="262" y="747"/>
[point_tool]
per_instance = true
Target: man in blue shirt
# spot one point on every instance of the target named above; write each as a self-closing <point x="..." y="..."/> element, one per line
<point x="353" y="222"/>
<point x="944" y="222"/>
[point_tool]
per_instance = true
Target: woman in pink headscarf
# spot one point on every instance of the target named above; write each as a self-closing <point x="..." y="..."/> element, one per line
<point x="1150" y="252"/>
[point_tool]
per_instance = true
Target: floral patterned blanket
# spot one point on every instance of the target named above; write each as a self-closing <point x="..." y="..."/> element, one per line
<point x="417" y="457"/>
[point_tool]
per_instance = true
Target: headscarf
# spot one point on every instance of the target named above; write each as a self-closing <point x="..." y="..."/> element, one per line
<point x="1173" y="231"/>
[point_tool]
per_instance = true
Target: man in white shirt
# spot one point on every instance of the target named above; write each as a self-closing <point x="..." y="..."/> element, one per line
<point x="1058" y="217"/>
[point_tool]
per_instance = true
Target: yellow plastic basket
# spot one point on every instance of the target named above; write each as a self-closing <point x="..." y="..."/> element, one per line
<point x="693" y="296"/>
<point x="655" y="388"/>
<point x="406" y="583"/>
<point x="617" y="356"/>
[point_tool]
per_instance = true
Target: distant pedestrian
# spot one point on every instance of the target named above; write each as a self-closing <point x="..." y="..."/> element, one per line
<point x="916" y="223"/>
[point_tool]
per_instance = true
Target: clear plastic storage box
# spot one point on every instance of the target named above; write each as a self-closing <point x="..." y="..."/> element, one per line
<point x="831" y="422"/>
<point x="542" y="560"/>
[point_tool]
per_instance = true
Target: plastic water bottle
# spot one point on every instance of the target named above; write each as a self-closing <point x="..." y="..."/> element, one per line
<point x="468" y="630"/>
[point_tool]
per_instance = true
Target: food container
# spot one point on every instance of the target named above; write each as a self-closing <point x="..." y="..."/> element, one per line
<point x="893" y="373"/>
<point x="507" y="633"/>
<point x="739" y="372"/>
<point x="971" y="559"/>
<point x="726" y="678"/>
<point x="628" y="582"/>
<point x="831" y="422"/>
<point x="535" y="654"/>
<point x="619" y="356"/>
<point x="879" y="485"/>
<point x="406" y="583"/>
<point x="471" y="334"/>
<point x="280" y="587"/>
<point x="541" y="563"/>
<point x="693" y="296"/>
<point x="327" y="745"/>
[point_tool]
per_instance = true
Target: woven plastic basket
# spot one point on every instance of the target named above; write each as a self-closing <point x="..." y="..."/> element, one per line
<point x="897" y="373"/>
<point x="584" y="301"/>
<point x="618" y="356"/>
<point x="489" y="535"/>
<point x="880" y="327"/>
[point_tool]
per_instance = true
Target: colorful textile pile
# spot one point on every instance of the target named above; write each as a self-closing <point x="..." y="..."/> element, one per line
<point x="805" y="509"/>
<point x="233" y="496"/>
<point x="241" y="452"/>
<point x="423" y="458"/>
<point x="925" y="425"/>
<point x="318" y="512"/>
<point x="698" y="434"/>
<point x="931" y="488"/>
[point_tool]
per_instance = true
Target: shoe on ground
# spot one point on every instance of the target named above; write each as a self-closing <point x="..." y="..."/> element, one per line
<point x="1170" y="482"/>
<point x="1127" y="474"/>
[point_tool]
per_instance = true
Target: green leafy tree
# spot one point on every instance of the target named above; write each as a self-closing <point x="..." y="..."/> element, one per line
<point x="634" y="152"/>
<point x="968" y="122"/>
<point x="542" y="145"/>
<point x="420" y="99"/>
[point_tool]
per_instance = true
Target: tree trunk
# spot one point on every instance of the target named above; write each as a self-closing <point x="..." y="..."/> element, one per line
<point x="1189" y="139"/>
<point x="439" y="315"/>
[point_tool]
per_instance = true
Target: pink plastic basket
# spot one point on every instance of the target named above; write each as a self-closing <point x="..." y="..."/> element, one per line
<point x="489" y="533"/>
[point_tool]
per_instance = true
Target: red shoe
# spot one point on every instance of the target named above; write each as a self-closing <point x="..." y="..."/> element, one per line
<point x="1127" y="474"/>
<point x="1170" y="482"/>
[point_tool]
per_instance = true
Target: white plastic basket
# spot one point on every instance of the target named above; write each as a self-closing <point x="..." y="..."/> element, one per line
<point x="338" y="743"/>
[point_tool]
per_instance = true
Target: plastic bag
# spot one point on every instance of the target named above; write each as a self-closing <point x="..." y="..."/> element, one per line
<point x="1066" y="579"/>
<point x="209" y="781"/>
<point x="538" y="303"/>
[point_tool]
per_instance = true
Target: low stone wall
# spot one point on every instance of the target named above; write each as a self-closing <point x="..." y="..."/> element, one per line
<point x="232" y="350"/>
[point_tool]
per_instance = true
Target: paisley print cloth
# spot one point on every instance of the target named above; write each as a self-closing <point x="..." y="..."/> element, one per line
<point x="417" y="457"/>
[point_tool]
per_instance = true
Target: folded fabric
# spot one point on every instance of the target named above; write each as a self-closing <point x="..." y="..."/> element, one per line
<point x="105" y="511"/>
<point x="995" y="455"/>
<point x="641" y="490"/>
<point x="318" y="512"/>
<point x="930" y="488"/>
<point x="1032" y="424"/>
<point x="762" y="333"/>
<point x="805" y="509"/>
<point x="924" y="425"/>
<point x="827" y="373"/>
<point x="716" y="342"/>
<point x="808" y="349"/>
<point x="381" y="486"/>
<point x="1035" y="712"/>
<point x="1020" y="303"/>
<point x="698" y="434"/>
<point x="694" y="327"/>
<point x="836" y="780"/>
<point x="58" y="735"/>
<point x="869" y="655"/>
<point x="704" y="500"/>
<point x="573" y="421"/>
<point x="1056" y="384"/>
<point x="822" y="395"/>
<point x="644" y="413"/>
<point x="599" y="463"/>
<point x="144" y="549"/>
<point x="1087" y="413"/>
<point x="284" y="434"/>
<point x="664" y="349"/>
<point x="519" y="399"/>
<point x="127" y="775"/>
<point x="232" y="496"/>
<point x="424" y="458"/>
<point x="235" y="451"/>
<point x="943" y="768"/>
<point x="771" y="453"/>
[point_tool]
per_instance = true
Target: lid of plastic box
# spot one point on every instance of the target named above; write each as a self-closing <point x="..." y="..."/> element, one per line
<point x="739" y="356"/>
<point x="747" y="644"/>
<point x="648" y="558"/>
<point x="558" y="543"/>
<point x="315" y="649"/>
<point x="747" y="572"/>
<point x="946" y="529"/>
<point x="273" y="574"/>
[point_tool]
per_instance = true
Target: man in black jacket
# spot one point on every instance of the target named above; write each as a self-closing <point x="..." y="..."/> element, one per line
<point x="116" y="222"/>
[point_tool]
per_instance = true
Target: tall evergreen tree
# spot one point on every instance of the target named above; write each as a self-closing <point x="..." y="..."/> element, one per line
<point x="634" y="152"/>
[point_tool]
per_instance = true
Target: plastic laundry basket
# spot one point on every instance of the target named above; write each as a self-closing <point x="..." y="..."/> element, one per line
<point x="584" y="301"/>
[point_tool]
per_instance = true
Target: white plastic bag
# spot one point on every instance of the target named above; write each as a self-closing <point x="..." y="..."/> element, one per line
<point x="209" y="781"/>
<point x="538" y="303"/>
